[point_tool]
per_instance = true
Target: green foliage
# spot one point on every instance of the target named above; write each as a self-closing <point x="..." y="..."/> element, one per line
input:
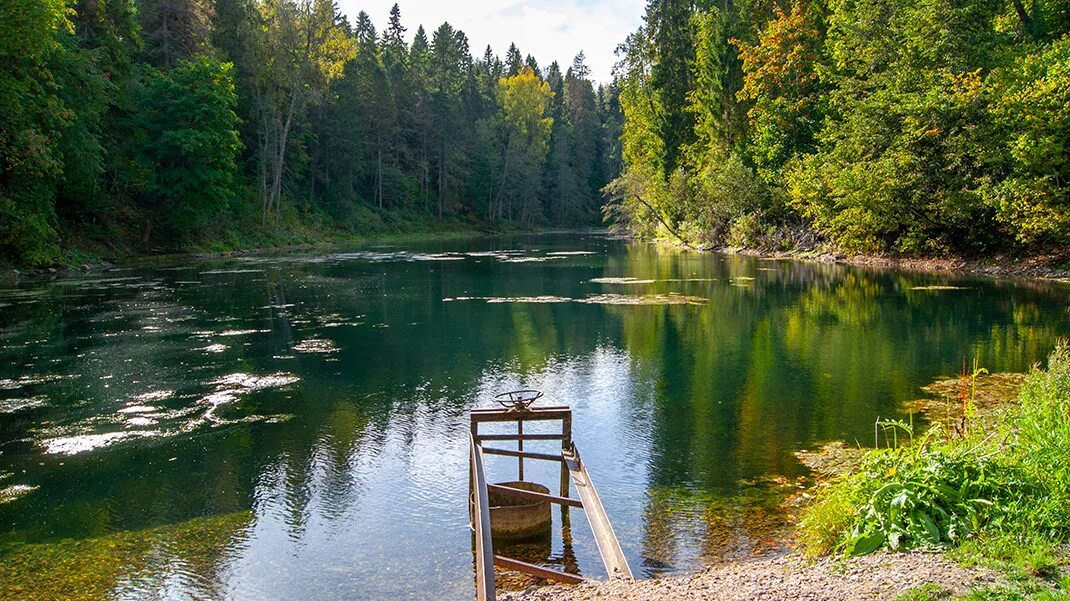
<point x="933" y="126"/>
<point x="189" y="142"/>
<point x="188" y="123"/>
<point x="525" y="102"/>
<point x="1032" y="108"/>
<point x="1000" y="495"/>
<point x="1042" y="426"/>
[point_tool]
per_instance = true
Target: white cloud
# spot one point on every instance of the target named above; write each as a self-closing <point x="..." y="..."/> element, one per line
<point x="548" y="29"/>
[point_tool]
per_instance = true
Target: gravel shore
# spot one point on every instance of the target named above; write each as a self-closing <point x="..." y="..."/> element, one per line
<point x="878" y="576"/>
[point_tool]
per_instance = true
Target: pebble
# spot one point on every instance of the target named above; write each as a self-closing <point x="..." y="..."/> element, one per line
<point x="791" y="577"/>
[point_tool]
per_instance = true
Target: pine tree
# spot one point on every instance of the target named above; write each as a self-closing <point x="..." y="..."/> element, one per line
<point x="514" y="61"/>
<point x="671" y="31"/>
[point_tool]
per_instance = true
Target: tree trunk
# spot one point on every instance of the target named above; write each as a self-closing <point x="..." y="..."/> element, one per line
<point x="280" y="162"/>
<point x="505" y="171"/>
<point x="442" y="178"/>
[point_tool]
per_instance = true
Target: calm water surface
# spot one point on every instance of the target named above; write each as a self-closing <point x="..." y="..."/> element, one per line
<point x="295" y="426"/>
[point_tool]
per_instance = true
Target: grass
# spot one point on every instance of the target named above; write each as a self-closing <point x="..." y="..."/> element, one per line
<point x="993" y="494"/>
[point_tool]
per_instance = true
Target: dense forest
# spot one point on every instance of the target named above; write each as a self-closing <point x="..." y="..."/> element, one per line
<point x="923" y="126"/>
<point x="919" y="126"/>
<point x="133" y="125"/>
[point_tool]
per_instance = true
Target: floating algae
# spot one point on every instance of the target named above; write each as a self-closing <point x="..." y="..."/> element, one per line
<point x="15" y="384"/>
<point x="97" y="568"/>
<point x="986" y="394"/>
<point x="438" y="257"/>
<point x="72" y="445"/>
<point x="513" y="299"/>
<point x="155" y="395"/>
<point x="15" y="492"/>
<point x="621" y="281"/>
<point x="22" y="404"/>
<point x="937" y="288"/>
<point x="832" y="459"/>
<point x="230" y="271"/>
<point x="599" y="299"/>
<point x="649" y="299"/>
<point x="316" y="346"/>
<point x="529" y="259"/>
<point x="85" y="436"/>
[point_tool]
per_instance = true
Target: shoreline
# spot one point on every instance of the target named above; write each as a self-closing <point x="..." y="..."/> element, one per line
<point x="876" y="577"/>
<point x="1049" y="267"/>
<point x="794" y="575"/>
<point x="11" y="274"/>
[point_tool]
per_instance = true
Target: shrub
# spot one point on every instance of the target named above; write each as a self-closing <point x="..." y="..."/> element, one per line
<point x="1010" y="487"/>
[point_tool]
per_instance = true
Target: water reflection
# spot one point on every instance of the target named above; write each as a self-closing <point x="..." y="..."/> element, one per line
<point x="323" y="397"/>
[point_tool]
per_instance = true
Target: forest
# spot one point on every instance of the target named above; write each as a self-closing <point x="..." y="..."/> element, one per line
<point x="929" y="127"/>
<point x="925" y="127"/>
<point x="145" y="125"/>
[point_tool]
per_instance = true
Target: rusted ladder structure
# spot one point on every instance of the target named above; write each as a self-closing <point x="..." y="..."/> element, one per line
<point x="572" y="471"/>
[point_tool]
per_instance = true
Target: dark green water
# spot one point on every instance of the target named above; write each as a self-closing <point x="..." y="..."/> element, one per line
<point x="294" y="427"/>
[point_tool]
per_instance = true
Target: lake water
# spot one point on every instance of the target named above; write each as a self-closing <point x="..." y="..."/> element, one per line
<point x="295" y="426"/>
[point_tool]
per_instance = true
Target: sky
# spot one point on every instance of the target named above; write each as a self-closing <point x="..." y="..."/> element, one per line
<point x="548" y="29"/>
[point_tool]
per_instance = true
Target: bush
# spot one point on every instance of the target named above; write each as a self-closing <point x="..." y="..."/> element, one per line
<point x="746" y="231"/>
<point x="1010" y="487"/>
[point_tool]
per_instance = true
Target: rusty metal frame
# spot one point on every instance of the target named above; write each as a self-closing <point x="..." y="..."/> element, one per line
<point x="573" y="471"/>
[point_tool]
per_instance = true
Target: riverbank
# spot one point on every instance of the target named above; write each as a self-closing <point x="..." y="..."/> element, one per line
<point x="1048" y="266"/>
<point x="793" y="578"/>
<point x="82" y="262"/>
<point x="1052" y="265"/>
<point x="975" y="505"/>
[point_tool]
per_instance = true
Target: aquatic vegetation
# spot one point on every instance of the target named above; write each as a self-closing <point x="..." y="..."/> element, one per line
<point x="72" y="445"/>
<point x="938" y="288"/>
<point x="598" y="299"/>
<point x="95" y="569"/>
<point x="621" y="281"/>
<point x="15" y="492"/>
<point x="22" y="404"/>
<point x="24" y="381"/>
<point x="530" y="259"/>
<point x="833" y="459"/>
<point x="649" y="299"/>
<point x="985" y="395"/>
<point x="155" y="395"/>
<point x="316" y="346"/>
<point x="438" y="257"/>
<point x="85" y="435"/>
